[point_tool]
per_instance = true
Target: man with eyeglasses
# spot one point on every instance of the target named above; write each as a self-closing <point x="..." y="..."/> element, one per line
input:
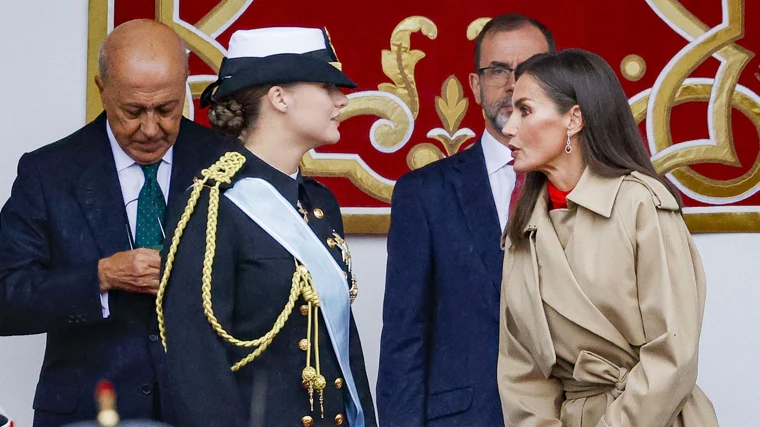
<point x="439" y="344"/>
<point x="78" y="259"/>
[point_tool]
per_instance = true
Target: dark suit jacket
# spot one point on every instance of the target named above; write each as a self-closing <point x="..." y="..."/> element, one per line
<point x="65" y="213"/>
<point x="251" y="282"/>
<point x="439" y="344"/>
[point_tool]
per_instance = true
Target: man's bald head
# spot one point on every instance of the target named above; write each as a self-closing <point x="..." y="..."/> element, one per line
<point x="144" y="37"/>
<point x="142" y="84"/>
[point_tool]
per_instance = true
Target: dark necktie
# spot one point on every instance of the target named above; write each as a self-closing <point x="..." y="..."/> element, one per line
<point x="150" y="211"/>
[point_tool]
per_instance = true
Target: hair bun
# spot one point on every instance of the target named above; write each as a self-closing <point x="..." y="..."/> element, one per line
<point x="227" y="116"/>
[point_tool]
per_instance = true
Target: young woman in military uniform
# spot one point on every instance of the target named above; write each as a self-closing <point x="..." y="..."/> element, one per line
<point x="255" y="297"/>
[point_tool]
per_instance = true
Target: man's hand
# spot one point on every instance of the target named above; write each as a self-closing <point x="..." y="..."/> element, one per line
<point x="131" y="271"/>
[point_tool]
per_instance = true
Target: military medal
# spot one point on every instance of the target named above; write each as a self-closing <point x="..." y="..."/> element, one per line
<point x="346" y="253"/>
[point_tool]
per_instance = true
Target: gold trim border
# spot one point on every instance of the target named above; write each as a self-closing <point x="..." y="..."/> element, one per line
<point x="723" y="222"/>
<point x="97" y="30"/>
<point x="698" y="223"/>
<point x="366" y="223"/>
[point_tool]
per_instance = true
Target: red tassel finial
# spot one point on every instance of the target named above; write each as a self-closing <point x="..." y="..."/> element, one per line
<point x="105" y="396"/>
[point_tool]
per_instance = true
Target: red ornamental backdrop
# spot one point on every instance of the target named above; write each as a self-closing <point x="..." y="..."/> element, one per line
<point x="689" y="68"/>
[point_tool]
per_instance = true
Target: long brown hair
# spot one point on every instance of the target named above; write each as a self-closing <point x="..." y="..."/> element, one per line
<point x="610" y="142"/>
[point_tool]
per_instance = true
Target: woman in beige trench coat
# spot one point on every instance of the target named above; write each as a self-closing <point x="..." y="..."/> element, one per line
<point x="603" y="288"/>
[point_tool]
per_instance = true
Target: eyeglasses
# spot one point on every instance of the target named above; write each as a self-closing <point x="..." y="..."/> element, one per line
<point x="496" y="76"/>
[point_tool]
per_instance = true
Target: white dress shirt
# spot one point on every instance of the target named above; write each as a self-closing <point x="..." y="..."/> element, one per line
<point x="501" y="175"/>
<point x="131" y="180"/>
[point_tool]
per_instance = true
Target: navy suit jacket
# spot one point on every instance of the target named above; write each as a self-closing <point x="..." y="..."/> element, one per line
<point x="65" y="213"/>
<point x="440" y="336"/>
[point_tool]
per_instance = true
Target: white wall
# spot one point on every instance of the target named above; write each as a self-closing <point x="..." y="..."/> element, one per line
<point x="42" y="83"/>
<point x="42" y="86"/>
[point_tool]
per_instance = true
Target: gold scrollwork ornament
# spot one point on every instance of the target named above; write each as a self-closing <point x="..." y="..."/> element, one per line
<point x="673" y="88"/>
<point x="396" y="105"/>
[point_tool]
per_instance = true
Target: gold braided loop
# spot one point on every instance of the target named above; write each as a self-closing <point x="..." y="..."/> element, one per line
<point x="307" y="287"/>
<point x="222" y="172"/>
<point x="301" y="284"/>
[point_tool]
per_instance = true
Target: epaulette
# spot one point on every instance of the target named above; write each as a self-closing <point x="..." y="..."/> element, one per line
<point x="662" y="197"/>
<point x="223" y="170"/>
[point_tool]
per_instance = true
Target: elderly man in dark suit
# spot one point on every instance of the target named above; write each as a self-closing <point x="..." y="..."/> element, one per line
<point x="440" y="335"/>
<point x="80" y="232"/>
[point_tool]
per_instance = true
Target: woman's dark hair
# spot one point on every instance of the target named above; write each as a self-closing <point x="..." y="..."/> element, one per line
<point x="237" y="114"/>
<point x="610" y="141"/>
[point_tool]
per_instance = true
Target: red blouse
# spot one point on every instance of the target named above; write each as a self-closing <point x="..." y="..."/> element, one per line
<point x="557" y="198"/>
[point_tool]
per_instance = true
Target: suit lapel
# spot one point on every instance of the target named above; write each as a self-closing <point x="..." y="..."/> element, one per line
<point x="470" y="179"/>
<point x="98" y="191"/>
<point x="189" y="158"/>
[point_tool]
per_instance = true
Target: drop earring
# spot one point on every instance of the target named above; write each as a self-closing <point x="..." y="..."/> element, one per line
<point x="568" y="147"/>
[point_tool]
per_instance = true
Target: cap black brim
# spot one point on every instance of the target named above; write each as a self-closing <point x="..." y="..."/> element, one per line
<point x="240" y="73"/>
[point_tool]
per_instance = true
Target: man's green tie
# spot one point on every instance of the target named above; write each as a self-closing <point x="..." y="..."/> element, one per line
<point x="150" y="211"/>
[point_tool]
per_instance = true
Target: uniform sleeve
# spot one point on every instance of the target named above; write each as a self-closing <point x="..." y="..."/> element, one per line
<point x="401" y="384"/>
<point x="528" y="398"/>
<point x="37" y="296"/>
<point x="203" y="387"/>
<point x="671" y="293"/>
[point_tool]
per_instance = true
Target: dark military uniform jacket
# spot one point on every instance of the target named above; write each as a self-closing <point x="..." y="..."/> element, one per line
<point x="251" y="282"/>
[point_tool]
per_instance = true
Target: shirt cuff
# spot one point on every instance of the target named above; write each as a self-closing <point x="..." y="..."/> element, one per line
<point x="104" y="305"/>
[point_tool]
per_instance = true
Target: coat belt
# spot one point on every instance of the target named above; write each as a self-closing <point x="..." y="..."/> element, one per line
<point x="595" y="375"/>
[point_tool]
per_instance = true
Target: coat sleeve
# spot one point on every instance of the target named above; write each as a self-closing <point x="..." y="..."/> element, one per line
<point x="401" y="384"/>
<point x="203" y="388"/>
<point x="528" y="398"/>
<point x="36" y="295"/>
<point x="671" y="297"/>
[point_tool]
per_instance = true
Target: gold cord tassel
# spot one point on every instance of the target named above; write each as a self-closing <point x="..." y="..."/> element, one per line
<point x="320" y="382"/>
<point x="312" y="376"/>
<point x="309" y="373"/>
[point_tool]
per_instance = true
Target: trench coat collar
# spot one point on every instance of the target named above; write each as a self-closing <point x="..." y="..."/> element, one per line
<point x="598" y="193"/>
<point x="595" y="192"/>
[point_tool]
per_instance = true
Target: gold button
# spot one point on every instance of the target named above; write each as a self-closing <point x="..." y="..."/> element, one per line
<point x="318" y="214"/>
<point x="304" y="310"/>
<point x="339" y="383"/>
<point x="331" y="242"/>
<point x="339" y="419"/>
<point x="307" y="421"/>
<point x="303" y="344"/>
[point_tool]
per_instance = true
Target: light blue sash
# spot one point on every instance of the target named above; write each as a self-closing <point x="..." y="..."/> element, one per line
<point x="273" y="213"/>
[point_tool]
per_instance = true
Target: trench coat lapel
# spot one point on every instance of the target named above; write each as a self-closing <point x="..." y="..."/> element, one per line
<point x="558" y="286"/>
